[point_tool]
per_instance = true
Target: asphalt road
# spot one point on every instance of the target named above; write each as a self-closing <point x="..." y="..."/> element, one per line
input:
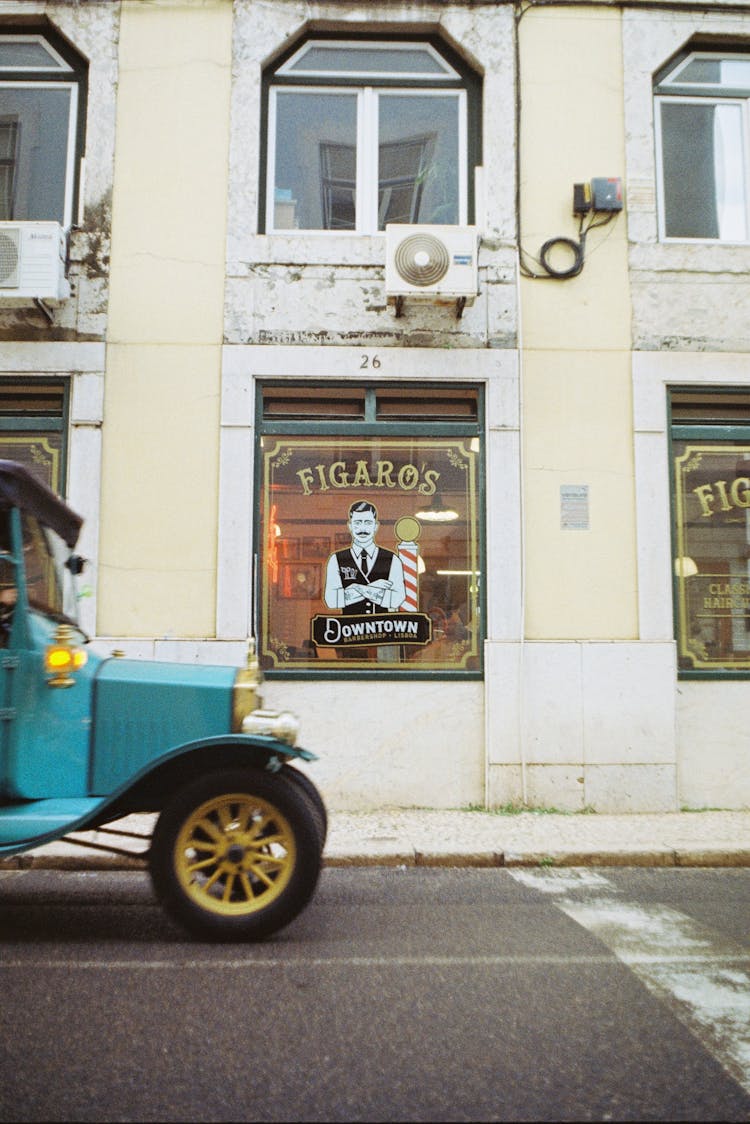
<point x="400" y="994"/>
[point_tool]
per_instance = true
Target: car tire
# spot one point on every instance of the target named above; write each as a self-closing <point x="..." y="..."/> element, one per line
<point x="303" y="782"/>
<point x="236" y="854"/>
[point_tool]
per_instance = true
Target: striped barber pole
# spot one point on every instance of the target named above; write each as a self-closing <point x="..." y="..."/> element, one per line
<point x="408" y="552"/>
<point x="408" y="530"/>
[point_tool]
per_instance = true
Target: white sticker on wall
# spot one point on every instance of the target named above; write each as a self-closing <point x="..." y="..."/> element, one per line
<point x="574" y="507"/>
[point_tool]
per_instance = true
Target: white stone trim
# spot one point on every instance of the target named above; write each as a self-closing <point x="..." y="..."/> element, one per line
<point x="244" y="365"/>
<point x="51" y="358"/>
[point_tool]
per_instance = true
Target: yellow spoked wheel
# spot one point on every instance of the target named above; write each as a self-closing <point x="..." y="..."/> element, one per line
<point x="236" y="854"/>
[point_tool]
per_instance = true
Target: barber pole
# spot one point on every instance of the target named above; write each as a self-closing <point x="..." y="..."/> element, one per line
<point x="408" y="531"/>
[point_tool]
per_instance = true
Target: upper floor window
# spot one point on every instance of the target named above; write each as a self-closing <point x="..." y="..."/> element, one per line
<point x="365" y="132"/>
<point x="703" y="139"/>
<point x="42" y="103"/>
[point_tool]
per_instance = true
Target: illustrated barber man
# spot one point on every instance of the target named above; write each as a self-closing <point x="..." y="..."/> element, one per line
<point x="364" y="577"/>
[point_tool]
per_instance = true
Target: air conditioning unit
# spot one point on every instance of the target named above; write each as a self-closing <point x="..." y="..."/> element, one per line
<point x="431" y="263"/>
<point x="32" y="261"/>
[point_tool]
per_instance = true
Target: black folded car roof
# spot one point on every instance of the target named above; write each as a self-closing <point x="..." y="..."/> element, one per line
<point x="18" y="488"/>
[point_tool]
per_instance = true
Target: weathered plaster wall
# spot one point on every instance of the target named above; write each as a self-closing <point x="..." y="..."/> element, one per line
<point x="292" y="289"/>
<point x="93" y="29"/>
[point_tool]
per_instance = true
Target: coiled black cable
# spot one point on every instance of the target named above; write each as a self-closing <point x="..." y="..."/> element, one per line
<point x="578" y="251"/>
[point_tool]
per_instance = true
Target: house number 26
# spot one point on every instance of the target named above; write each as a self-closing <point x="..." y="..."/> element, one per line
<point x="368" y="361"/>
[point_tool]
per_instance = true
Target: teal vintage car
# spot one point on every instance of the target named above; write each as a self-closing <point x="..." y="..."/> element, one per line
<point x="85" y="740"/>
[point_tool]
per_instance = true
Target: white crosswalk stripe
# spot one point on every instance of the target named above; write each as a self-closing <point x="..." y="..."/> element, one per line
<point x="702" y="977"/>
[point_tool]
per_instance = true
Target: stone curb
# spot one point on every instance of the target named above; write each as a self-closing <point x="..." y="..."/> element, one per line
<point x="654" y="857"/>
<point x="665" y="857"/>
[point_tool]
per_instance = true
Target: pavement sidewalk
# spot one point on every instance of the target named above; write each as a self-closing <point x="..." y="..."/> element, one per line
<point x="417" y="837"/>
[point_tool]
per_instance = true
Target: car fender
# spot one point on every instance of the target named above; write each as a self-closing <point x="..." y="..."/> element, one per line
<point x="147" y="789"/>
<point x="38" y="822"/>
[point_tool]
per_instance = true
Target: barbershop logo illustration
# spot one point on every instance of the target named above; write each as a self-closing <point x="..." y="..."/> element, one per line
<point x="373" y="592"/>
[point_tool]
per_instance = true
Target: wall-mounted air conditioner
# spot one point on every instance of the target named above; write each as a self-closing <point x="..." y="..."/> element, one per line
<point x="32" y="261"/>
<point x="431" y="263"/>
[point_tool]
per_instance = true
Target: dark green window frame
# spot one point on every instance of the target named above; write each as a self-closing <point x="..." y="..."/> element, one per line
<point x="356" y="423"/>
<point x="34" y="427"/>
<point x="710" y="495"/>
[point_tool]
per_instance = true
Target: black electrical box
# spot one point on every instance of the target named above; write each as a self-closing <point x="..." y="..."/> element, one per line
<point x="581" y="198"/>
<point x="606" y="194"/>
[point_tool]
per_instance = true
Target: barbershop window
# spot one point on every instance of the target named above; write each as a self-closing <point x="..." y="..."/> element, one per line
<point x="42" y="115"/>
<point x="711" y="555"/>
<point x="369" y="530"/>
<point x="33" y="424"/>
<point x="703" y="141"/>
<point x="363" y="132"/>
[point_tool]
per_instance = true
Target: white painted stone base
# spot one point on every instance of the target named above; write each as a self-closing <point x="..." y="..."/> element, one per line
<point x="610" y="789"/>
<point x="575" y="725"/>
<point x="713" y="731"/>
<point x="600" y="726"/>
<point x="390" y="744"/>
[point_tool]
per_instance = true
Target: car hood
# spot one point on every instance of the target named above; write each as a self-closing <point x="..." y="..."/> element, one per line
<point x="144" y="709"/>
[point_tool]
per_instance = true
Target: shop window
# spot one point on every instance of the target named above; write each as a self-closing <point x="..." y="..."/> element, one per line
<point x="364" y="132"/>
<point x="335" y="482"/>
<point x="33" y="420"/>
<point x="711" y="505"/>
<point x="703" y="139"/>
<point x="42" y="107"/>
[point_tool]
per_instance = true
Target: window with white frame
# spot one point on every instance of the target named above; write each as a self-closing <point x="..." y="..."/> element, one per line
<point x="703" y="134"/>
<point x="364" y="132"/>
<point x="42" y="105"/>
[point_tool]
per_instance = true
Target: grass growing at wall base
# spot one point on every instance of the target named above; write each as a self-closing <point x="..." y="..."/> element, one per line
<point x="516" y="809"/>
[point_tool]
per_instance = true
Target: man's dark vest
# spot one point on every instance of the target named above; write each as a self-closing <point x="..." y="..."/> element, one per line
<point x="352" y="575"/>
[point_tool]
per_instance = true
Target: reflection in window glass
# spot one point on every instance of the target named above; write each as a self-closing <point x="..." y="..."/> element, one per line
<point x="704" y="185"/>
<point x="28" y="52"/>
<point x="418" y="159"/>
<point x="315" y="161"/>
<point x="35" y="130"/>
<point x="42" y="575"/>
<point x="332" y="58"/>
<point x="712" y="553"/>
<point x="713" y="71"/>
<point x="413" y="600"/>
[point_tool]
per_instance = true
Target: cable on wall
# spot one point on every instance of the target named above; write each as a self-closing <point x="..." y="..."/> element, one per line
<point x="576" y="249"/>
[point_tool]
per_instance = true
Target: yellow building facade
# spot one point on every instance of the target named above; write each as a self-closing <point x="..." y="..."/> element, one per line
<point x="541" y="429"/>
